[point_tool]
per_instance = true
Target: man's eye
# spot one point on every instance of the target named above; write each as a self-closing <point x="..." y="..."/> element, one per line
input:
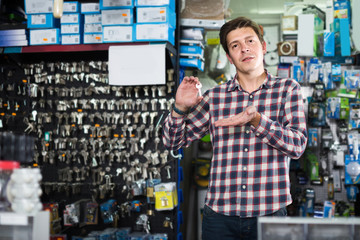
<point x="234" y="46"/>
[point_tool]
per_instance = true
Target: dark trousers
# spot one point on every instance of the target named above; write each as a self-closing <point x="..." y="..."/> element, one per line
<point x="216" y="226"/>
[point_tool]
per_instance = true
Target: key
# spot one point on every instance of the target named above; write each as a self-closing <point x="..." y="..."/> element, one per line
<point x="199" y="86"/>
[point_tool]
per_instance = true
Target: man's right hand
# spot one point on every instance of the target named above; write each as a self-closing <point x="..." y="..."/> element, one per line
<point x="187" y="94"/>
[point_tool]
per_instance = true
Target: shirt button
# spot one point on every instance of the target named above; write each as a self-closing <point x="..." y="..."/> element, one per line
<point x="257" y="134"/>
<point x="243" y="187"/>
<point x="247" y="131"/>
<point x="246" y="149"/>
<point x="251" y="96"/>
<point x="244" y="168"/>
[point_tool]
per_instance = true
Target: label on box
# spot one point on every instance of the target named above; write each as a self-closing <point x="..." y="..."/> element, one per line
<point x="90" y="7"/>
<point x="70" y="18"/>
<point x="38" y="19"/>
<point x="39" y="6"/>
<point x="70" y="28"/>
<point x="92" y="18"/>
<point x="70" y="39"/>
<point x="152" y="14"/>
<point x="116" y="3"/>
<point x="118" y="33"/>
<point x="116" y="17"/>
<point x="93" y="38"/>
<point x="70" y="7"/>
<point x="44" y="36"/>
<point x="92" y="28"/>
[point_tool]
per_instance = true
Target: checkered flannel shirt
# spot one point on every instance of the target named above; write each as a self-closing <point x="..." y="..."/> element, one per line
<point x="249" y="174"/>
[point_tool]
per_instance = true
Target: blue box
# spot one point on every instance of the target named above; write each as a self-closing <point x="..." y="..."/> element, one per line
<point x="71" y="18"/>
<point x="193" y="62"/>
<point x="329" y="44"/>
<point x="161" y="14"/>
<point x="152" y="3"/>
<point x="71" y="39"/>
<point x="345" y="37"/>
<point x="43" y="20"/>
<point x="44" y="36"/>
<point x="192" y="50"/>
<point x="90" y="8"/>
<point x="118" y="34"/>
<point x="117" y="17"/>
<point x="71" y="7"/>
<point x="154" y="32"/>
<point x="111" y="4"/>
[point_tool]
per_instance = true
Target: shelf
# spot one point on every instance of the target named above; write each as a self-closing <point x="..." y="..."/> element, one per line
<point x="76" y="48"/>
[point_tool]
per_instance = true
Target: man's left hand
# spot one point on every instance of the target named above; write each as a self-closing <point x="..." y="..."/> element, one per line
<point x="249" y="115"/>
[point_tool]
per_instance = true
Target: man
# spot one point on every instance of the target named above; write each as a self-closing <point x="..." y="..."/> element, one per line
<point x="256" y="123"/>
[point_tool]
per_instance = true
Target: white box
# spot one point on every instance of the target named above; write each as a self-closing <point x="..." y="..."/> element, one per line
<point x="93" y="28"/>
<point x="155" y="32"/>
<point x="70" y="28"/>
<point x="111" y="4"/>
<point x="70" y="39"/>
<point x="44" y="36"/>
<point x="92" y="18"/>
<point x="155" y="15"/>
<point x="143" y="3"/>
<point x="117" y="17"/>
<point x="90" y="8"/>
<point x="92" y="38"/>
<point x="71" y="7"/>
<point x="306" y="25"/>
<point x="70" y="18"/>
<point x="118" y="33"/>
<point x="39" y="6"/>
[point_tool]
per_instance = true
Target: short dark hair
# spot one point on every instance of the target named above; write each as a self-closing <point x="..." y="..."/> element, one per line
<point x="240" y="22"/>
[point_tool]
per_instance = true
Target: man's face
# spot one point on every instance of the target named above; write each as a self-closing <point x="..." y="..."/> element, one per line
<point x="246" y="51"/>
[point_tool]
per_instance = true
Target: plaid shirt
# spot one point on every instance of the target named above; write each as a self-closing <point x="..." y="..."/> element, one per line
<point x="249" y="173"/>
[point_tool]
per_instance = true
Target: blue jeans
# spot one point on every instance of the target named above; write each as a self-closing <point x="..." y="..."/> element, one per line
<point x="216" y="226"/>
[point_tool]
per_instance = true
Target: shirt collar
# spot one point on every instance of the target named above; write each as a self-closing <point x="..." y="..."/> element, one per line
<point x="268" y="83"/>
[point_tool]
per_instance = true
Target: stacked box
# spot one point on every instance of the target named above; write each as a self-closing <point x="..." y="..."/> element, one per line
<point x="92" y="23"/>
<point x="117" y="19"/>
<point x="41" y="22"/>
<point x="155" y="20"/>
<point x="71" y="24"/>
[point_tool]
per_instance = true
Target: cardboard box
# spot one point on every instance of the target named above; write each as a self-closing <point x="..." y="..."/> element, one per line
<point x="69" y="39"/>
<point x="204" y="9"/>
<point x="70" y="18"/>
<point x="71" y="28"/>
<point x="114" y="4"/>
<point x="71" y="7"/>
<point x="90" y="8"/>
<point x="156" y="15"/>
<point x="93" y="28"/>
<point x="38" y="6"/>
<point x="90" y="38"/>
<point x="44" y="36"/>
<point x="151" y="3"/>
<point x="155" y="32"/>
<point x="118" y="34"/>
<point x="92" y="18"/>
<point x="117" y="17"/>
<point x="43" y="20"/>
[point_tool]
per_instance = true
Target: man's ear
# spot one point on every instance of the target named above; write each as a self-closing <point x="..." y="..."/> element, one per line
<point x="229" y="58"/>
<point x="264" y="47"/>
